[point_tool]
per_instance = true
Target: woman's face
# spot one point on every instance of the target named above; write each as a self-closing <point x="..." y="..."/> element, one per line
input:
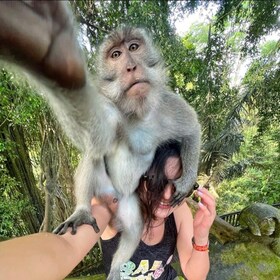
<point x="173" y="171"/>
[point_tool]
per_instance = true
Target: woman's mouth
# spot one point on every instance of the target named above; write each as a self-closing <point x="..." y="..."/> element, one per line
<point x="164" y="204"/>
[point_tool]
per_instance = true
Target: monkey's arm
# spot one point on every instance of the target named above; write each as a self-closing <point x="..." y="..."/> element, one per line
<point x="190" y="151"/>
<point x="40" y="36"/>
<point x="182" y="123"/>
<point x="49" y="256"/>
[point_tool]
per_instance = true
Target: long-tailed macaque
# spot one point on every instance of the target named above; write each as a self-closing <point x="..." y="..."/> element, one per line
<point x="117" y="120"/>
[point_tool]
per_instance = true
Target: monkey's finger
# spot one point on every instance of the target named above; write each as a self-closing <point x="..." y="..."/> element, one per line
<point x="74" y="228"/>
<point x="19" y="33"/>
<point x="35" y="33"/>
<point x="90" y="221"/>
<point x="95" y="226"/>
<point x="58" y="229"/>
<point x="65" y="227"/>
<point x="177" y="199"/>
<point x="61" y="229"/>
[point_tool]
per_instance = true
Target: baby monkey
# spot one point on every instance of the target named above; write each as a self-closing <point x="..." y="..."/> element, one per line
<point x="116" y="119"/>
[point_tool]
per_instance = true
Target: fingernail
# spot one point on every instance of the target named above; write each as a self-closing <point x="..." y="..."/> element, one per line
<point x="200" y="204"/>
<point x="200" y="193"/>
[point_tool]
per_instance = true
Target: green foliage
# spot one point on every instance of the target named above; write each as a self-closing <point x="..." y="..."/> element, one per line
<point x="19" y="117"/>
<point x="260" y="180"/>
<point x="269" y="48"/>
<point x="262" y="83"/>
<point x="214" y="51"/>
<point x="257" y="19"/>
<point x="18" y="101"/>
<point x="12" y="204"/>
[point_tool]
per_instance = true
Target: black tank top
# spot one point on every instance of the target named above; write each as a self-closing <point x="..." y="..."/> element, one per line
<point x="148" y="262"/>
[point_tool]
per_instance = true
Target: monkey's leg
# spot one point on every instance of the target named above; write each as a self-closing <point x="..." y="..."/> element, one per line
<point x="90" y="179"/>
<point x="190" y="148"/>
<point x="131" y="220"/>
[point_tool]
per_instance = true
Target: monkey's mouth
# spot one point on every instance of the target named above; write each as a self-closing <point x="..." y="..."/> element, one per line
<point x="138" y="88"/>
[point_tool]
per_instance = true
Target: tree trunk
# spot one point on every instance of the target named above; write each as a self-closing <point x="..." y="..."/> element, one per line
<point x="50" y="162"/>
<point x="19" y="166"/>
<point x="57" y="175"/>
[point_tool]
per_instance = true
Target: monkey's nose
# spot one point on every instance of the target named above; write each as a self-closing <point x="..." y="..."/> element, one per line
<point x="131" y="67"/>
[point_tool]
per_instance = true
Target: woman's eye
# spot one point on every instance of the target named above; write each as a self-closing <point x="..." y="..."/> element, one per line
<point x="133" y="47"/>
<point x="115" y="54"/>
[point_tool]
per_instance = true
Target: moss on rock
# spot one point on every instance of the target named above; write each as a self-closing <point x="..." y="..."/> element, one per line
<point x="243" y="261"/>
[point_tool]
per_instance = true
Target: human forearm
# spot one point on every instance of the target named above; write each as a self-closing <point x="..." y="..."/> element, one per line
<point x="198" y="265"/>
<point x="49" y="256"/>
<point x="195" y="264"/>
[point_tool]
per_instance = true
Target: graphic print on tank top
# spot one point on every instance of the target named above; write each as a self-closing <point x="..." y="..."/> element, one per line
<point x="144" y="270"/>
<point x="147" y="262"/>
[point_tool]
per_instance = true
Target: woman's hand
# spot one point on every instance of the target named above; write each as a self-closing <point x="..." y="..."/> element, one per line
<point x="204" y="216"/>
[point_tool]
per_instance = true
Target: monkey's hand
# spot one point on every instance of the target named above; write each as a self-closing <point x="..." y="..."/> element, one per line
<point x="39" y="35"/>
<point x="79" y="217"/>
<point x="182" y="191"/>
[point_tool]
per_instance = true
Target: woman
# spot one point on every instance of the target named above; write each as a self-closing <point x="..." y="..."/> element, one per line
<point x="165" y="227"/>
<point x="49" y="256"/>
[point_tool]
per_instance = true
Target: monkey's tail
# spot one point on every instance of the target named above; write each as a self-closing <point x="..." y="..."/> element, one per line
<point x="131" y="221"/>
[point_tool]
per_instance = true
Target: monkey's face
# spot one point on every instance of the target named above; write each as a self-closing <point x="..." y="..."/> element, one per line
<point x="130" y="70"/>
<point x="125" y="61"/>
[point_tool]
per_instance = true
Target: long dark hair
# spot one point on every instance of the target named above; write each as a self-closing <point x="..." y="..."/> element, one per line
<point x="155" y="180"/>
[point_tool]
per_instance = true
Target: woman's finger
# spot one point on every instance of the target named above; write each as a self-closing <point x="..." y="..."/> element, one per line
<point x="207" y="199"/>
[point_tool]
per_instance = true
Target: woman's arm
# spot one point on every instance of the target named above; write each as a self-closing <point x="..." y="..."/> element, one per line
<point x="49" y="256"/>
<point x="195" y="264"/>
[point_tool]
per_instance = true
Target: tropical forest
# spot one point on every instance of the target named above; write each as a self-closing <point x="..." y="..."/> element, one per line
<point x="223" y="58"/>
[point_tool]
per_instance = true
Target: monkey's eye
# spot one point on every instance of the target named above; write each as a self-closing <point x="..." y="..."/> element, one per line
<point x="133" y="47"/>
<point x="115" y="54"/>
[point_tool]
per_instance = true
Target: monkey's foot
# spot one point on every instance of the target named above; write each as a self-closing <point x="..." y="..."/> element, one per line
<point x="79" y="217"/>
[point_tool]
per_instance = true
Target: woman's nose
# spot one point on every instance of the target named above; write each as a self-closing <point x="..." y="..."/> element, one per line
<point x="168" y="192"/>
